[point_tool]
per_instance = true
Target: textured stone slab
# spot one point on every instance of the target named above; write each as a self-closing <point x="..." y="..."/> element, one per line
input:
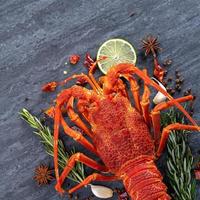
<point x="36" y="39"/>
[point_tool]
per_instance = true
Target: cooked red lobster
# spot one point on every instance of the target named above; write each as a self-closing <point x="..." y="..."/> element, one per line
<point x="120" y="132"/>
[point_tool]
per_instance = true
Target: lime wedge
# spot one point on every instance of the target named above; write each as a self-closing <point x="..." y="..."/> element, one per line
<point x="115" y="51"/>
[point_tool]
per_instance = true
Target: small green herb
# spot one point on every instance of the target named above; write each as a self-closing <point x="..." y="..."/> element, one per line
<point x="77" y="174"/>
<point x="180" y="160"/>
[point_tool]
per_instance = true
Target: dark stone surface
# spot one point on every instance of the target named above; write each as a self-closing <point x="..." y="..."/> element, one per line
<point x="36" y="39"/>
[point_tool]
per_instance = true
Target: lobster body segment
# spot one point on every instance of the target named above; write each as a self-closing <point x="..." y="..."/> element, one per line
<point x="120" y="133"/>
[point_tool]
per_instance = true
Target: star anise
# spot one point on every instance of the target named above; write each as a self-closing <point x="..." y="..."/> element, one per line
<point x="151" y="45"/>
<point x="43" y="175"/>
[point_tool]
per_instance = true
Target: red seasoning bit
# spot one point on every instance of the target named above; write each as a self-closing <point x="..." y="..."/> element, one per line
<point x="197" y="174"/>
<point x="88" y="61"/>
<point x="73" y="59"/>
<point x="49" y="87"/>
<point x="81" y="81"/>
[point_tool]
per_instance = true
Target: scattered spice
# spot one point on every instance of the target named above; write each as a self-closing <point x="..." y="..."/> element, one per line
<point x="151" y="45"/>
<point x="164" y="83"/>
<point x="81" y="81"/>
<point x="176" y="71"/>
<point x="169" y="79"/>
<point x="197" y="174"/>
<point x="69" y="196"/>
<point x="178" y="87"/>
<point x="73" y="59"/>
<point x="49" y="87"/>
<point x="43" y="175"/>
<point x="167" y="62"/>
<point x="88" y="61"/>
<point x="165" y="73"/>
<point x="76" y="197"/>
<point x="178" y="75"/>
<point x="172" y="92"/>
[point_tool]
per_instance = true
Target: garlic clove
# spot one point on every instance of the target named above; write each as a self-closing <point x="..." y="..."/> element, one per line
<point x="101" y="191"/>
<point x="160" y="97"/>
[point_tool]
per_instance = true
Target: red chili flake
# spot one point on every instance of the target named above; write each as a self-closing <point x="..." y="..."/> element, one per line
<point x="197" y="174"/>
<point x="81" y="81"/>
<point x="88" y="61"/>
<point x="158" y="70"/>
<point x="49" y="87"/>
<point x="73" y="59"/>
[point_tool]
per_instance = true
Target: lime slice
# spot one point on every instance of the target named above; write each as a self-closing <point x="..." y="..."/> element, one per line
<point x="115" y="51"/>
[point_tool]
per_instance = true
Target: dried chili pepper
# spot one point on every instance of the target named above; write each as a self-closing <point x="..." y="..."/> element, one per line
<point x="151" y="45"/>
<point x="49" y="87"/>
<point x="89" y="62"/>
<point x="73" y="59"/>
<point x="81" y="81"/>
<point x="197" y="171"/>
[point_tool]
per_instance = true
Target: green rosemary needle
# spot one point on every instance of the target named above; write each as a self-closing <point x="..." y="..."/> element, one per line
<point x="179" y="159"/>
<point x="77" y="174"/>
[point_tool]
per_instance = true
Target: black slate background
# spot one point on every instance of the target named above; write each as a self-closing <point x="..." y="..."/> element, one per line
<point x="36" y="39"/>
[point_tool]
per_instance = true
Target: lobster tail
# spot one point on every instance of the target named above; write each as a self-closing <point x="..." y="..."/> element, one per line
<point x="143" y="180"/>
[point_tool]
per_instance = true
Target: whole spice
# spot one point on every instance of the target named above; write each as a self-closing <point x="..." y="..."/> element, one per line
<point x="89" y="62"/>
<point x="81" y="81"/>
<point x="49" y="87"/>
<point x="73" y="59"/>
<point x="151" y="45"/>
<point x="43" y="175"/>
<point x="167" y="62"/>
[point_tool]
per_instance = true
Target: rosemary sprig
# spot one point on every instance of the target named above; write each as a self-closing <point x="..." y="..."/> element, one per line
<point x="77" y="174"/>
<point x="179" y="159"/>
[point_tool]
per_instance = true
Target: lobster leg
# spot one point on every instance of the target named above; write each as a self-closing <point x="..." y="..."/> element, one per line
<point x="90" y="178"/>
<point x="62" y="98"/>
<point x="77" y="136"/>
<point x="78" y="157"/>
<point x="155" y="114"/>
<point x="134" y="90"/>
<point x="145" y="103"/>
<point x="167" y="130"/>
<point x="75" y="118"/>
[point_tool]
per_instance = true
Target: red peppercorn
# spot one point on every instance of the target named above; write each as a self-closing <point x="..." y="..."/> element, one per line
<point x="73" y="59"/>
<point x="49" y="87"/>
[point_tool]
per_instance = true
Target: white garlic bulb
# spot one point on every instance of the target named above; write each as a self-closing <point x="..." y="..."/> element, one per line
<point x="101" y="191"/>
<point x="160" y="97"/>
